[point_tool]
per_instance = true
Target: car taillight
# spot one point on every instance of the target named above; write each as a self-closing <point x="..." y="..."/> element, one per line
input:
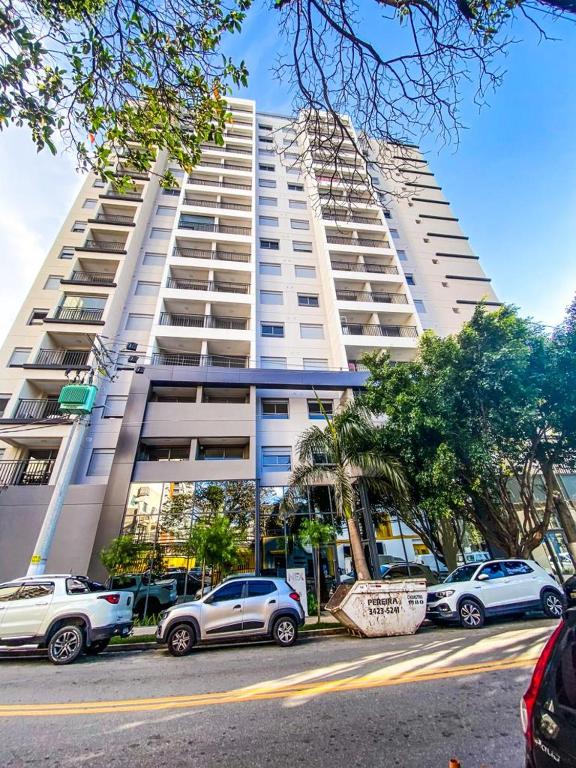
<point x="295" y="596"/>
<point x="531" y="695"/>
<point x="114" y="599"/>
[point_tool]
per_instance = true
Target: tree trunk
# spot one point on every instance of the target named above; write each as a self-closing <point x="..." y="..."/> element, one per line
<point x="567" y="522"/>
<point x="203" y="578"/>
<point x="449" y="543"/>
<point x="317" y="558"/>
<point x="358" y="556"/>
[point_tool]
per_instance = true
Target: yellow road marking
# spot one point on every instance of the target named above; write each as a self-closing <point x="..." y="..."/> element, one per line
<point x="267" y="691"/>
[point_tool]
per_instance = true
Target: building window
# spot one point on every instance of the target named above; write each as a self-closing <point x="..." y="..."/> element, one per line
<point x="300" y="246"/>
<point x="270" y="183"/>
<point x="114" y="407"/>
<point x="164" y="452"/>
<point x="275" y="330"/>
<point x="67" y="252"/>
<point x="274" y="409"/>
<point x="37" y="316"/>
<point x="172" y="192"/>
<point x="220" y="452"/>
<point x="159" y="234"/>
<point x="292" y="187"/>
<point x="315" y="364"/>
<point x="263" y="127"/>
<point x="420" y="307"/>
<point x="308" y="300"/>
<point x="268" y="221"/>
<point x="53" y="282"/>
<point x="265" y="139"/>
<point x="279" y="459"/>
<point x="402" y="255"/>
<point x="266" y="167"/>
<point x="395" y="234"/>
<point x="165" y="210"/>
<point x="293" y="171"/>
<point x="387" y="214"/>
<point x="271" y="297"/>
<point x="89" y="204"/>
<point x="309" y="331"/>
<point x="154" y="259"/>
<point x="139" y="322"/>
<point x="410" y="278"/>
<point x="270" y="245"/>
<point x="272" y="202"/>
<point x="4" y="400"/>
<point x="272" y="362"/>
<point x="19" y="356"/>
<point x="100" y="462"/>
<point x="268" y="152"/>
<point x="79" y="226"/>
<point x="306" y="272"/>
<point x="317" y="408"/>
<point x="146" y="289"/>
<point x="267" y="268"/>
<point x="98" y="183"/>
<point x="299" y="224"/>
<point x="297" y="204"/>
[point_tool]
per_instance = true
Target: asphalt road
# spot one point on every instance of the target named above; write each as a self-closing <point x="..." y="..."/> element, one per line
<point x="412" y="702"/>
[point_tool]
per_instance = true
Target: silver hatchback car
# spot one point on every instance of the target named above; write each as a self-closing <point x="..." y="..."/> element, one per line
<point x="245" y="607"/>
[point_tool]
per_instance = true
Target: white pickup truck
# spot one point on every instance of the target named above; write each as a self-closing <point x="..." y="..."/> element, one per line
<point x="64" y="614"/>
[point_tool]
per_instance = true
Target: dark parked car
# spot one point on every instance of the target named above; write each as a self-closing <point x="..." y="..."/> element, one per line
<point x="408" y="571"/>
<point x="570" y="591"/>
<point x="549" y="704"/>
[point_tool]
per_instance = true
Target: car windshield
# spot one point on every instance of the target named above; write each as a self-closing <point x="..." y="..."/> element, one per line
<point x="464" y="573"/>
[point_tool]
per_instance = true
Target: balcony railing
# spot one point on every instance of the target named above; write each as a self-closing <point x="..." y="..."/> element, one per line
<point x="199" y="253"/>
<point x="357" y="241"/>
<point x="207" y="285"/>
<point x="78" y="314"/>
<point x="35" y="410"/>
<point x="204" y="321"/>
<point x="376" y="296"/>
<point x="228" y="185"/>
<point x="218" y="361"/>
<point x="240" y="135"/>
<point x="226" y="164"/>
<point x="347" y="266"/>
<point x="346" y="200"/>
<point x="94" y="278"/>
<point x="27" y="472"/>
<point x="106" y="218"/>
<point x="373" y="329"/>
<point x="134" y="173"/>
<point x="216" y="148"/>
<point x="221" y="228"/>
<point x="114" y="246"/>
<point x="352" y="218"/>
<point x="215" y="204"/>
<point x="62" y="358"/>
<point x="137" y="196"/>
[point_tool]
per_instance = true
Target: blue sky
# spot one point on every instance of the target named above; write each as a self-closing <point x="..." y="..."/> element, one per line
<point x="511" y="180"/>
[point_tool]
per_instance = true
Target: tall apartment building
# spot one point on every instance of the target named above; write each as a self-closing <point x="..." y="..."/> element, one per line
<point x="245" y="300"/>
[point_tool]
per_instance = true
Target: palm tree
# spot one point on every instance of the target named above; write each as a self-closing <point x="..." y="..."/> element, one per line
<point x="316" y="533"/>
<point x="338" y="454"/>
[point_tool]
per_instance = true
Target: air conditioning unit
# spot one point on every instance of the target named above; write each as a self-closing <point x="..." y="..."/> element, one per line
<point x="77" y="398"/>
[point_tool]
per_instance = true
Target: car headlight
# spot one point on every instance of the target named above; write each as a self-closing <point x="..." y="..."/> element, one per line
<point x="445" y="593"/>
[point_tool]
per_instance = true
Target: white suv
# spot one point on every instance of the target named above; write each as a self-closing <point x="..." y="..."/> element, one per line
<point x="64" y="614"/>
<point x="497" y="587"/>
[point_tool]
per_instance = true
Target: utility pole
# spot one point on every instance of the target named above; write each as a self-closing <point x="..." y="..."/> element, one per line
<point x="105" y="365"/>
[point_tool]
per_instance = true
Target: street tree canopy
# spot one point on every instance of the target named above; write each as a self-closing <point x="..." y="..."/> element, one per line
<point x="153" y="74"/>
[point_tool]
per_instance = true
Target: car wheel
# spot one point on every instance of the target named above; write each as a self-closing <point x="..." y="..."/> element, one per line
<point x="552" y="604"/>
<point x="285" y="631"/>
<point x="66" y="644"/>
<point x="180" y="640"/>
<point x="96" y="647"/>
<point x="471" y="614"/>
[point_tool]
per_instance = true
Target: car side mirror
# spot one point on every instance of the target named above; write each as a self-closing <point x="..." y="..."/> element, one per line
<point x="482" y="577"/>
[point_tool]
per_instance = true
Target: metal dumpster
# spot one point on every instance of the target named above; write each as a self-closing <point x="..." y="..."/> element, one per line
<point x="380" y="609"/>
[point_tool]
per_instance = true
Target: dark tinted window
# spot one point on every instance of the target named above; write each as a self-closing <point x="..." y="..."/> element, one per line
<point x="493" y="571"/>
<point x="230" y="591"/>
<point x="123" y="582"/>
<point x="566" y="673"/>
<point x="517" y="568"/>
<point x="258" y="588"/>
<point x="30" y="591"/>
<point x="8" y="592"/>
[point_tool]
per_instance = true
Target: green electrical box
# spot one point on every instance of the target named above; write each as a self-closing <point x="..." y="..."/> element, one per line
<point x="77" y="398"/>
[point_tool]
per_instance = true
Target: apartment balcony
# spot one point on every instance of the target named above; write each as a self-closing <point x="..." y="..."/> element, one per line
<point x="212" y="255"/>
<point x="349" y="200"/>
<point x="83" y="315"/>
<point x="225" y="165"/>
<point x="377" y="329"/>
<point x="221" y="184"/>
<point x="204" y="321"/>
<point x="197" y="360"/>
<point x="196" y="203"/>
<point x="133" y="173"/>
<point x="224" y="229"/>
<point x="378" y="297"/>
<point x="240" y="135"/>
<point x="216" y="286"/>
<point x="350" y="266"/>
<point x="29" y="409"/>
<point x="113" y="219"/>
<point x="346" y="218"/>
<point x="103" y="246"/>
<point x="131" y="197"/>
<point x="79" y="277"/>
<point x="26" y="472"/>
<point x="60" y="359"/>
<point x="357" y="242"/>
<point x="227" y="149"/>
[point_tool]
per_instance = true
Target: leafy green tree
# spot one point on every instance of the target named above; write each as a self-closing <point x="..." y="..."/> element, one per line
<point x="337" y="454"/>
<point x="141" y="77"/>
<point x="316" y="534"/>
<point x="122" y="555"/>
<point x="216" y="545"/>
